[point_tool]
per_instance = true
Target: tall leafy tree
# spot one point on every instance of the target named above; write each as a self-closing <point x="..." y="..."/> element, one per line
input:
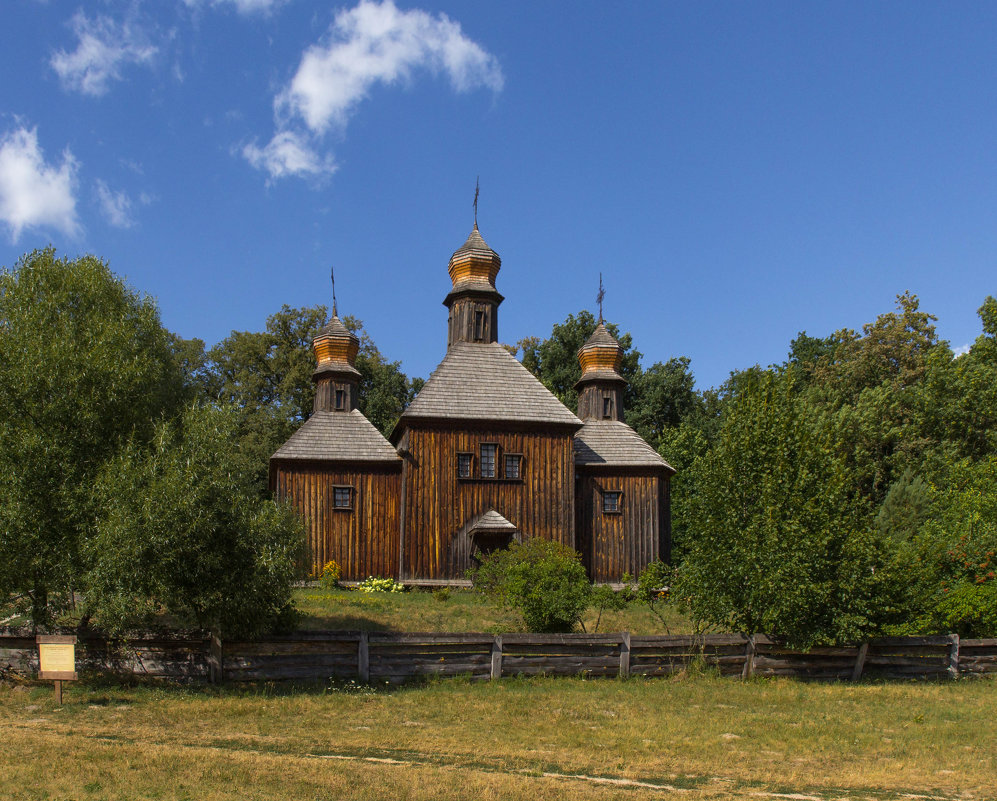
<point x="84" y="365"/>
<point x="780" y="544"/>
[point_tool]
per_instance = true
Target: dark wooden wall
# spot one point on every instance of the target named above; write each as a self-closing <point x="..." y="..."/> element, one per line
<point x="364" y="541"/>
<point x="614" y="544"/>
<point x="437" y="504"/>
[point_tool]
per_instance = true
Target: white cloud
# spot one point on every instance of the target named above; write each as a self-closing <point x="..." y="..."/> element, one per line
<point x="115" y="206"/>
<point x="371" y="43"/>
<point x="33" y="193"/>
<point x="242" y="6"/>
<point x="104" y="46"/>
<point x="286" y="154"/>
<point x="375" y="42"/>
<point x="962" y="350"/>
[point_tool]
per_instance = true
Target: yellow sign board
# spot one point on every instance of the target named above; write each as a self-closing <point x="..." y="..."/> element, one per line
<point x="57" y="657"/>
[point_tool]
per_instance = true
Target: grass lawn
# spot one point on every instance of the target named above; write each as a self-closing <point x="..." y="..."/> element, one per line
<point x="451" y="611"/>
<point x="692" y="737"/>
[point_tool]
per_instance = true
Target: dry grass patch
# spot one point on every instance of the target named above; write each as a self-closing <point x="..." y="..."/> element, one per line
<point x="704" y="736"/>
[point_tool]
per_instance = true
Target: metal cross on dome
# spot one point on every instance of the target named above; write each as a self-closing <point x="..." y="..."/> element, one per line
<point x="332" y="273"/>
<point x="477" y="189"/>
<point x="600" y="296"/>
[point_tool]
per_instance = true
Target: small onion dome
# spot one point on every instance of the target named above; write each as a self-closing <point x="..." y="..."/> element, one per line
<point x="474" y="264"/>
<point x="336" y="347"/>
<point x="601" y="356"/>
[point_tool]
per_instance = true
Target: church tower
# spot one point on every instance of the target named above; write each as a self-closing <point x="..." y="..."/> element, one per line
<point x="600" y="389"/>
<point x="336" y="376"/>
<point x="473" y="301"/>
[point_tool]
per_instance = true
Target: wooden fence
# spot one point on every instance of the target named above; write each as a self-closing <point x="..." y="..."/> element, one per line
<point x="394" y="657"/>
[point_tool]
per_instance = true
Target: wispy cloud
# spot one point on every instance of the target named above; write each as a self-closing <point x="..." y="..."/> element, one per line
<point x="115" y="206"/>
<point x="373" y="43"/>
<point x="32" y="192"/>
<point x="242" y="6"/>
<point x="288" y="154"/>
<point x="103" y="48"/>
<point x="962" y="350"/>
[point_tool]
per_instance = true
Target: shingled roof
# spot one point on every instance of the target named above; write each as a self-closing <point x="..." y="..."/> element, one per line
<point x="476" y="244"/>
<point x="483" y="381"/>
<point x="338" y="436"/>
<point x="611" y="443"/>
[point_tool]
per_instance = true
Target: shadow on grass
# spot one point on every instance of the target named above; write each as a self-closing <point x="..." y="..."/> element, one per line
<point x="345" y="622"/>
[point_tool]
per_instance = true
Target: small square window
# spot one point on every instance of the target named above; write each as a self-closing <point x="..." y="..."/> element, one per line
<point x="340" y="399"/>
<point x="465" y="463"/>
<point x="488" y="456"/>
<point x="513" y="462"/>
<point x="611" y="502"/>
<point x="342" y="497"/>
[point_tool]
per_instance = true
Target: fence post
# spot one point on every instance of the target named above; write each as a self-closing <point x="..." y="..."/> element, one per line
<point x="625" y="655"/>
<point x="497" y="657"/>
<point x="363" y="657"/>
<point x="860" y="661"/>
<point x="216" y="666"/>
<point x="749" y="658"/>
<point x="954" y="656"/>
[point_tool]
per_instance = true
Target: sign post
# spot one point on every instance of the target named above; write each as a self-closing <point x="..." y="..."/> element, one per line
<point x="57" y="659"/>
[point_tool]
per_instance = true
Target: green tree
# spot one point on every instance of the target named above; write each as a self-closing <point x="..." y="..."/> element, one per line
<point x="664" y="396"/>
<point x="779" y="544"/>
<point x="186" y="534"/>
<point x="84" y="365"/>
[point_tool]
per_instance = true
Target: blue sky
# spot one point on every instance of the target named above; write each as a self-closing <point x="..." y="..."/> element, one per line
<point x="738" y="172"/>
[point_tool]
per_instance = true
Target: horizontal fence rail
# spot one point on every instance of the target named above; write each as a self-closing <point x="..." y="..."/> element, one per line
<point x="380" y="657"/>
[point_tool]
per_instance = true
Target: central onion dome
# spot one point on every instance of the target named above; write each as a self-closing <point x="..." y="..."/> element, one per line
<point x="335" y="346"/>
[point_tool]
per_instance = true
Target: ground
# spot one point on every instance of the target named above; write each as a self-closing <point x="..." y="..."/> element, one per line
<point x="692" y="737"/>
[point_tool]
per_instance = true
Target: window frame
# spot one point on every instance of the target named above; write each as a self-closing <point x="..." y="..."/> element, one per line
<point x="519" y="466"/>
<point x="617" y="496"/>
<point x="351" y="494"/>
<point x="339" y="400"/>
<point x="607" y="407"/>
<point x="494" y="462"/>
<point x="470" y="464"/>
<point x="480" y="324"/>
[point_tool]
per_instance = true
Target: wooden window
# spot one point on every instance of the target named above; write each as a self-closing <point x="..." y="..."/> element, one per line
<point x="513" y="465"/>
<point x="340" y="399"/>
<point x="342" y="498"/>
<point x="479" y="325"/>
<point x="465" y="464"/>
<point x="607" y="407"/>
<point x="489" y="453"/>
<point x="611" y="502"/>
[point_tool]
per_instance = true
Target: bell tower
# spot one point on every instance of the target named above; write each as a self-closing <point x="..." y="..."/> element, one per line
<point x="600" y="389"/>
<point x="473" y="301"/>
<point x="336" y="376"/>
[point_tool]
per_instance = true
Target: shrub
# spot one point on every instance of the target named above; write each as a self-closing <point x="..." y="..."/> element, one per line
<point x="331" y="573"/>
<point x="376" y="584"/>
<point x="654" y="588"/>
<point x="969" y="610"/>
<point x="544" y="581"/>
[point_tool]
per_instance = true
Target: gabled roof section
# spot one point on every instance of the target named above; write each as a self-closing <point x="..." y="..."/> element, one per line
<point x="483" y="381"/>
<point x="611" y="443"/>
<point x="338" y="437"/>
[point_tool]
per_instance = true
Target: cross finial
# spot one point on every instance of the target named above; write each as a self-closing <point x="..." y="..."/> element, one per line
<point x="600" y="296"/>
<point x="477" y="189"/>
<point x="332" y="274"/>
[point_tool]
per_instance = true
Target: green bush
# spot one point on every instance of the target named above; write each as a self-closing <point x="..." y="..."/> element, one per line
<point x="969" y="610"/>
<point x="375" y="584"/>
<point x="331" y="574"/>
<point x="544" y="581"/>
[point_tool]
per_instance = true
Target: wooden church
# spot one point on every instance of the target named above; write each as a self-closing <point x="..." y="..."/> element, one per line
<point x="483" y="456"/>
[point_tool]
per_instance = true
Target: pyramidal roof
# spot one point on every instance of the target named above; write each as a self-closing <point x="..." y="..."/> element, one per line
<point x="338" y="436"/>
<point x="601" y="338"/>
<point x="612" y="443"/>
<point x="475" y="244"/>
<point x="335" y="328"/>
<point x="483" y="381"/>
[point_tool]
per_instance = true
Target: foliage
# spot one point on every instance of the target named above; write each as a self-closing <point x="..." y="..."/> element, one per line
<point x="555" y="360"/>
<point x="544" y="580"/>
<point x="376" y="584"/>
<point x="84" y="365"/>
<point x="331" y="573"/>
<point x="654" y="589"/>
<point x="186" y="535"/>
<point x="605" y="598"/>
<point x="781" y="546"/>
